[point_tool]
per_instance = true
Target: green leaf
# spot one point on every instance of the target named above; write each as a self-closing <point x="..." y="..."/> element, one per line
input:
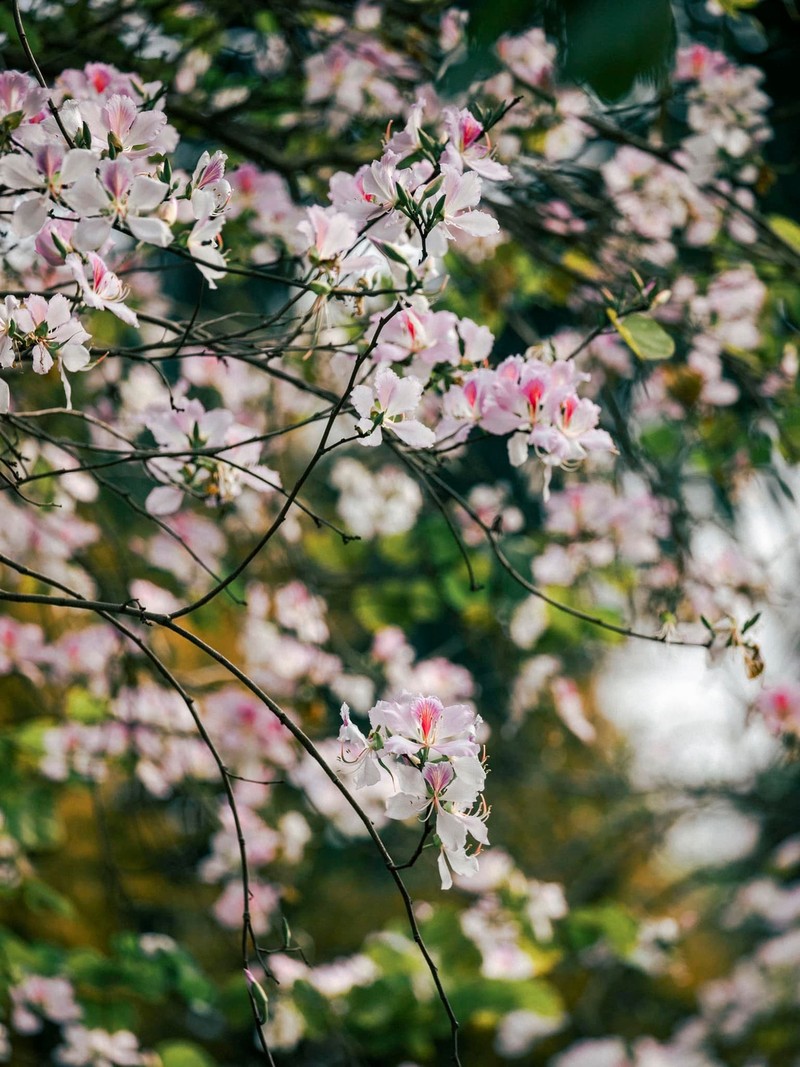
<point x="665" y="441"/>
<point x="391" y="252"/>
<point x="395" y="601"/>
<point x="456" y="583"/>
<point x="31" y="817"/>
<point x="610" y="922"/>
<point x="183" y="1054"/>
<point x="260" y="999"/>
<point x="787" y="229"/>
<point x="644" y="336"/>
<point x="82" y="706"/>
<point x="733" y="7"/>
<point x="266" y="22"/>
<point x="39" y="896"/>
<point x="500" y="996"/>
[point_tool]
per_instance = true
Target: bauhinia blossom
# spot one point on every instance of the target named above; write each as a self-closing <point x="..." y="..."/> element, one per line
<point x="431" y="754"/>
<point x="469" y="146"/>
<point x="103" y="289"/>
<point x="421" y="726"/>
<point x="230" y="462"/>
<point x="123" y="128"/>
<point x="462" y="193"/>
<point x="43" y="175"/>
<point x="117" y="194"/>
<point x="449" y="792"/>
<point x="534" y="401"/>
<point x="204" y="245"/>
<point x="780" y="707"/>
<point x="44" y="331"/>
<point x="388" y="404"/>
<point x="210" y="191"/>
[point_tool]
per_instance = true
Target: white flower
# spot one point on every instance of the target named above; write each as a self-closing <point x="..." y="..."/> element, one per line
<point x="204" y="246"/>
<point x="117" y="193"/>
<point x="388" y="403"/>
<point x="210" y="191"/>
<point x="105" y="291"/>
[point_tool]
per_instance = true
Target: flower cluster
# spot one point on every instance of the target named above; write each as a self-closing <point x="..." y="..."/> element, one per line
<point x="535" y="402"/>
<point x="432" y="756"/>
<point x="599" y="526"/>
<point x="655" y="198"/>
<point x="356" y="336"/>
<point x="385" y="502"/>
<point x="78" y="190"/>
<point x="207" y="456"/>
<point x="414" y="209"/>
<point x="726" y="105"/>
<point x="422" y="339"/>
<point x="37" y="998"/>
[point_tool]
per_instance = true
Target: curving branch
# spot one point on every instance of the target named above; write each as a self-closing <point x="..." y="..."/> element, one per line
<point x="110" y="611"/>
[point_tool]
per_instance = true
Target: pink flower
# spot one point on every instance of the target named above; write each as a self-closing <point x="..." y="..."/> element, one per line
<point x="430" y="335"/>
<point x="117" y="193"/>
<point x="696" y="61"/>
<point x="37" y="998"/>
<point x="45" y="172"/>
<point x="126" y="129"/>
<point x="22" y="647"/>
<point x="450" y="790"/>
<point x="204" y="243"/>
<point x="218" y="478"/>
<point x="54" y="241"/>
<point x="329" y="233"/>
<point x="780" y="707"/>
<point x="331" y="238"/>
<point x="461" y="194"/>
<point x="53" y="334"/>
<point x="422" y="725"/>
<point x="358" y="756"/>
<point x="99" y="1048"/>
<point x="569" y="708"/>
<point x="371" y="191"/>
<point x="210" y="191"/>
<point x="530" y="56"/>
<point x="469" y="146"/>
<point x="8" y="327"/>
<point x="103" y="290"/>
<point x="388" y="403"/>
<point x="264" y="901"/>
<point x="20" y="95"/>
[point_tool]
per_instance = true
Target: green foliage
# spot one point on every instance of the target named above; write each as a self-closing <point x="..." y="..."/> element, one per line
<point x="183" y="1054"/>
<point x="787" y="229"/>
<point x="41" y="897"/>
<point x="644" y="336"/>
<point x="30" y="814"/>
<point x="608" y="922"/>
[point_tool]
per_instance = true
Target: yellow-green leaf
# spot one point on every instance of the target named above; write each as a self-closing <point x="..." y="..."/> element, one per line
<point x="644" y="336"/>
<point x="787" y="229"/>
<point x="183" y="1054"/>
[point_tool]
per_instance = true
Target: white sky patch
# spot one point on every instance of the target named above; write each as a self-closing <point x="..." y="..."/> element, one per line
<point x="684" y="721"/>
